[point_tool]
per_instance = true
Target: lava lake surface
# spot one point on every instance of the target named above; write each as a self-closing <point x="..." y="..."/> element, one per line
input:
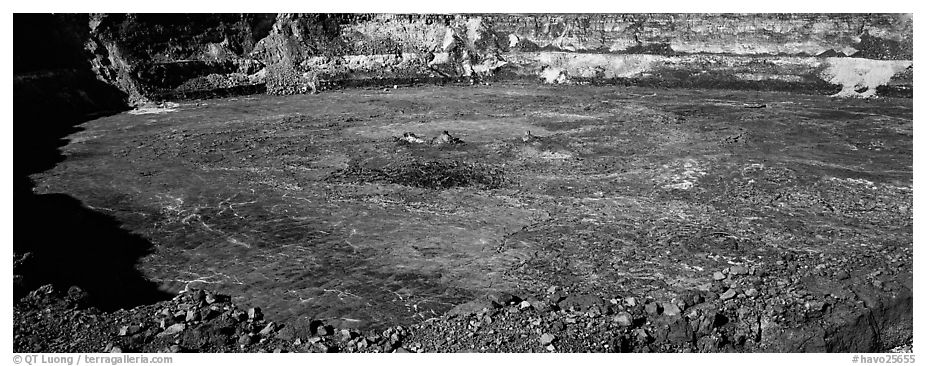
<point x="307" y="205"/>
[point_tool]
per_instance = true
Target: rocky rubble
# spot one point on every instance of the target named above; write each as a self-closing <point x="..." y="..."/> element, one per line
<point x="194" y="321"/>
<point x="732" y="315"/>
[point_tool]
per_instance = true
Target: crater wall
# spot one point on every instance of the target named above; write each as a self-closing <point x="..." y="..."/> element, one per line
<point x="176" y="56"/>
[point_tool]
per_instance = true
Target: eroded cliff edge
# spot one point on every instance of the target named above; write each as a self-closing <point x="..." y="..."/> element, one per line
<point x="177" y="56"/>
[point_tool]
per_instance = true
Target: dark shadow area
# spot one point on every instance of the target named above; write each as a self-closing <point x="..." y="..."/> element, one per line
<point x="73" y="245"/>
<point x="68" y="244"/>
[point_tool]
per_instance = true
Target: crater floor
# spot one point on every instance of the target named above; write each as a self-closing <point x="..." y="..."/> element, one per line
<point x="307" y="206"/>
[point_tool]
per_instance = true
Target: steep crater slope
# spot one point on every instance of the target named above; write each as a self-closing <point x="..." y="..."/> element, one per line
<point x="181" y="56"/>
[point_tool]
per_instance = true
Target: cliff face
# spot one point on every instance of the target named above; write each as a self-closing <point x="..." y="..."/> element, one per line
<point x="731" y="34"/>
<point x="54" y="87"/>
<point x="168" y="56"/>
<point x="51" y="66"/>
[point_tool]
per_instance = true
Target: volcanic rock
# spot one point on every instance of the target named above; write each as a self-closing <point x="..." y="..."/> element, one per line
<point x="729" y="294"/>
<point x="670" y="309"/>
<point x="546" y="339"/>
<point x="255" y="314"/>
<point x="173" y="329"/>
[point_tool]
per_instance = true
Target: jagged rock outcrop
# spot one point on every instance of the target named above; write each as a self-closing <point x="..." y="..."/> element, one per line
<point x="176" y="56"/>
